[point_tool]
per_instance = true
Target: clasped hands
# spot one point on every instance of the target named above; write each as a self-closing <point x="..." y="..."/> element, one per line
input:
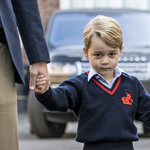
<point x="39" y="77"/>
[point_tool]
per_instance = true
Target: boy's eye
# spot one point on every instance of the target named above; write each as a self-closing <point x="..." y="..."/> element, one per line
<point x="98" y="55"/>
<point x="112" y="54"/>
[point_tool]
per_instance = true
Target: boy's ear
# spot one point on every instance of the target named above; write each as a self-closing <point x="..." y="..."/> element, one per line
<point x="85" y="52"/>
<point x="121" y="50"/>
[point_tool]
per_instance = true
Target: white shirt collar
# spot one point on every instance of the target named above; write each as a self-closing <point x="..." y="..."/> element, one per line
<point x="92" y="72"/>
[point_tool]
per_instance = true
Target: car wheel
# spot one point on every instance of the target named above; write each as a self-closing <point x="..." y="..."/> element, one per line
<point x="146" y="130"/>
<point x="39" y="125"/>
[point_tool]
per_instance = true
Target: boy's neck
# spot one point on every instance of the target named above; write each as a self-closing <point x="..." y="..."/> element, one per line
<point x="109" y="78"/>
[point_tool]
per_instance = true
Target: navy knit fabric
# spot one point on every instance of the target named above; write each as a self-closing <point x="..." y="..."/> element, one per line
<point x="125" y="145"/>
<point x="104" y="115"/>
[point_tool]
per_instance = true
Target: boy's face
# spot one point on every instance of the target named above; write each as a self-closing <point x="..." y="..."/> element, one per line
<point x="102" y="58"/>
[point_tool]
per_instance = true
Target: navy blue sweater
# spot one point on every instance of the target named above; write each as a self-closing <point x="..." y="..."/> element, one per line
<point x="104" y="115"/>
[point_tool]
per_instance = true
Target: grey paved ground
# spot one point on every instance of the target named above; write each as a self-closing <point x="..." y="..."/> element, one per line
<point x="28" y="141"/>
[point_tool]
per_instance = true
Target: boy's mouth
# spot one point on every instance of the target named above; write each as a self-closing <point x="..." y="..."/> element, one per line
<point x="105" y="68"/>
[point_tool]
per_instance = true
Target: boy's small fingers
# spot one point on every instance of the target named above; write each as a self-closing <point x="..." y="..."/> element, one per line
<point x="38" y="81"/>
<point x="41" y="75"/>
<point x="38" y="88"/>
<point x="41" y="79"/>
<point x="39" y="85"/>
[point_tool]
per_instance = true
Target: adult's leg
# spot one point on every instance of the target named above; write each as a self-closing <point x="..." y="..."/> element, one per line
<point x="8" y="102"/>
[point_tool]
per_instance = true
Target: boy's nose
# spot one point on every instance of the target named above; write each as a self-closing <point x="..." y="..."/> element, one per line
<point x="105" y="61"/>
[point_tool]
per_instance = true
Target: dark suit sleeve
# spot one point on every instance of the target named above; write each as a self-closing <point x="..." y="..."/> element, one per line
<point x="31" y="30"/>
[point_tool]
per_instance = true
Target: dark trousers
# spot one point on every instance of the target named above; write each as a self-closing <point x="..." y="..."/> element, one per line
<point x="109" y="146"/>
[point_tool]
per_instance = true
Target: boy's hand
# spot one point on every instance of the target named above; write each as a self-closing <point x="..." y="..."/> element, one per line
<point x="42" y="85"/>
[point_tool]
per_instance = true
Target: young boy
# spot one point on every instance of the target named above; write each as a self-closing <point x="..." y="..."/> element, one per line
<point x="106" y="100"/>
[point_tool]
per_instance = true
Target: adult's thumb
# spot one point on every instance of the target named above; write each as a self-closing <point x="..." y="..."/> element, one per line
<point x="32" y="83"/>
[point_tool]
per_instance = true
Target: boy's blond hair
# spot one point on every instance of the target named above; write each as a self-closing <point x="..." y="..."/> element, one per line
<point x="105" y="27"/>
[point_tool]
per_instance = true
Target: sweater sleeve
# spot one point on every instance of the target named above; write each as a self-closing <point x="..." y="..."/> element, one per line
<point x="143" y="110"/>
<point x="66" y="96"/>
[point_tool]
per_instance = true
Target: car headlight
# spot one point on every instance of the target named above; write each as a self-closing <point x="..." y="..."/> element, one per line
<point x="61" y="69"/>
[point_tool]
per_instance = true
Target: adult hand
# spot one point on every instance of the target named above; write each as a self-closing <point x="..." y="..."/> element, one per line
<point x="38" y="68"/>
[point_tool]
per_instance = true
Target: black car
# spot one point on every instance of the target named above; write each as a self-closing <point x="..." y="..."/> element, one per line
<point x="64" y="37"/>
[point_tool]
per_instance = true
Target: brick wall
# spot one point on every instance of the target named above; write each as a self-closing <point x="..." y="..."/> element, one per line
<point x="46" y="8"/>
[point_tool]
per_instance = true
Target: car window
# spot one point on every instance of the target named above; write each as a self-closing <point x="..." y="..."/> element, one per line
<point x="135" y="29"/>
<point x="67" y="28"/>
